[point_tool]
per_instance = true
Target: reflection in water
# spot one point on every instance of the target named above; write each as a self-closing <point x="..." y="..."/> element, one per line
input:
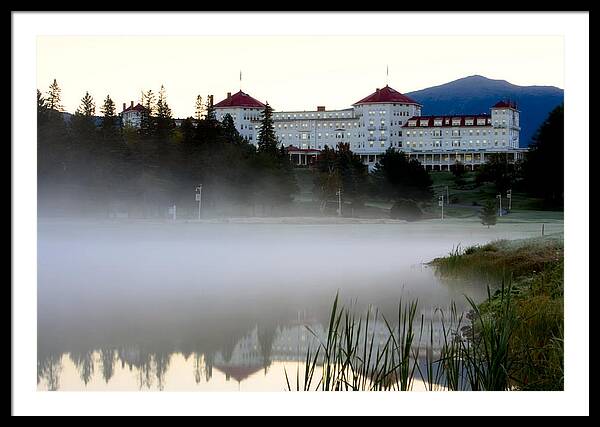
<point x="209" y="307"/>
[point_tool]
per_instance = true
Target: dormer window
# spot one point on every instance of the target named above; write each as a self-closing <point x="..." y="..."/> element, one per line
<point x="424" y="122"/>
<point x="469" y="121"/>
<point x="437" y="122"/>
<point x="456" y="121"/>
<point x="412" y="122"/>
<point x="481" y="121"/>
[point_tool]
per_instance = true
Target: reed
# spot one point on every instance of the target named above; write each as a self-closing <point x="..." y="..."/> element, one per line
<point x="474" y="353"/>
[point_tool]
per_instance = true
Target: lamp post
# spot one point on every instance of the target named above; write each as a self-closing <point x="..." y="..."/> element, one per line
<point x="199" y="200"/>
<point x="499" y="197"/>
<point x="441" y="203"/>
<point x="509" y="197"/>
<point x="339" y="194"/>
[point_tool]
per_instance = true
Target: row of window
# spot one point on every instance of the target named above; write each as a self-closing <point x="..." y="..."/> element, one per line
<point x="455" y="143"/>
<point x="305" y="125"/>
<point x="455" y="132"/>
<point x="311" y="115"/>
<point x="454" y="122"/>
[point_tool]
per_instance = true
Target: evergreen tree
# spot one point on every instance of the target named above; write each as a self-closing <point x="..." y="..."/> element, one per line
<point x="149" y="101"/>
<point x="488" y="213"/>
<point x="147" y="123"/>
<point x="547" y="154"/>
<point x="109" y="118"/>
<point x="230" y="132"/>
<point x="83" y="122"/>
<point x="87" y="107"/>
<point x="267" y="139"/>
<point x="42" y="109"/>
<point x="210" y="115"/>
<point x="53" y="142"/>
<point x="164" y="120"/>
<point x="53" y="99"/>
<point x="200" y="108"/>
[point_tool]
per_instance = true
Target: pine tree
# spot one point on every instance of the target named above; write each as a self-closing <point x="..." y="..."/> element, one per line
<point x="83" y="122"/>
<point x="267" y="139"/>
<point x="87" y="107"/>
<point x="200" y="108"/>
<point x="210" y="115"/>
<point x="109" y="118"/>
<point x="147" y="123"/>
<point x="148" y="101"/>
<point x="229" y="130"/>
<point x="488" y="213"/>
<point x="53" y="100"/>
<point x="164" y="120"/>
<point x="545" y="154"/>
<point x="42" y="108"/>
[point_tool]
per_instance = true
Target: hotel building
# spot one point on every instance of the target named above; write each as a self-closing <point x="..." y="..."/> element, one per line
<point x="384" y="119"/>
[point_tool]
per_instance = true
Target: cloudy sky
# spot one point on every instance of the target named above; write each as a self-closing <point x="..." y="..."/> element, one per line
<point x="290" y="72"/>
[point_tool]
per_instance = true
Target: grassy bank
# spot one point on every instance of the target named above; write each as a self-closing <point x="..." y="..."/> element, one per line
<point x="533" y="268"/>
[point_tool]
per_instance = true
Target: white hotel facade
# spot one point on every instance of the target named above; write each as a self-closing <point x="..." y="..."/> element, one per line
<point x="384" y="119"/>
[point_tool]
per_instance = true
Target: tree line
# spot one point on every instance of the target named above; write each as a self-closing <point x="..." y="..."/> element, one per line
<point x="86" y="165"/>
<point x="97" y="164"/>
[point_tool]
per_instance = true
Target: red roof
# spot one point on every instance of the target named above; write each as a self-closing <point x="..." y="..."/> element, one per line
<point x="138" y="107"/>
<point x="505" y="104"/>
<point x="239" y="99"/>
<point x="386" y="95"/>
<point x="429" y="120"/>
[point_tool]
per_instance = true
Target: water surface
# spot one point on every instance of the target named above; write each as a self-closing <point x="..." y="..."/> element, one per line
<point x="188" y="306"/>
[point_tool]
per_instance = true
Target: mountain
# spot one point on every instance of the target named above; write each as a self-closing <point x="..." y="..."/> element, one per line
<point x="476" y="94"/>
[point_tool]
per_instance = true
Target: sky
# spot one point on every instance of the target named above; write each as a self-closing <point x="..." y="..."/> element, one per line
<point x="290" y="72"/>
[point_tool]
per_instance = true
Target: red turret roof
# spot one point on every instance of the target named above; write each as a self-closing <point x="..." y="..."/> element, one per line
<point x="239" y="99"/>
<point x="386" y="95"/>
<point x="505" y="104"/>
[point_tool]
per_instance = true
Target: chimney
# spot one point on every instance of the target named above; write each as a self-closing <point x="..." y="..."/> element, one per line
<point x="377" y="90"/>
<point x="210" y="100"/>
<point x="320" y="108"/>
<point x="124" y="106"/>
<point x="131" y="104"/>
<point x="228" y="95"/>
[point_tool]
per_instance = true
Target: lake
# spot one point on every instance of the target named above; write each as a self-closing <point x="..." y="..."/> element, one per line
<point x="221" y="307"/>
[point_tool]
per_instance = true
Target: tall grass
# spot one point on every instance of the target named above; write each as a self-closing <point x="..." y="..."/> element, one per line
<point x="356" y="356"/>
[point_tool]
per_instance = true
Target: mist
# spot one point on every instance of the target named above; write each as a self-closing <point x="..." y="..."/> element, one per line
<point x="199" y="287"/>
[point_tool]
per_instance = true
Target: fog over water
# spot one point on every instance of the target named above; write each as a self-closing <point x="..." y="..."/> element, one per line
<point x="155" y="293"/>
